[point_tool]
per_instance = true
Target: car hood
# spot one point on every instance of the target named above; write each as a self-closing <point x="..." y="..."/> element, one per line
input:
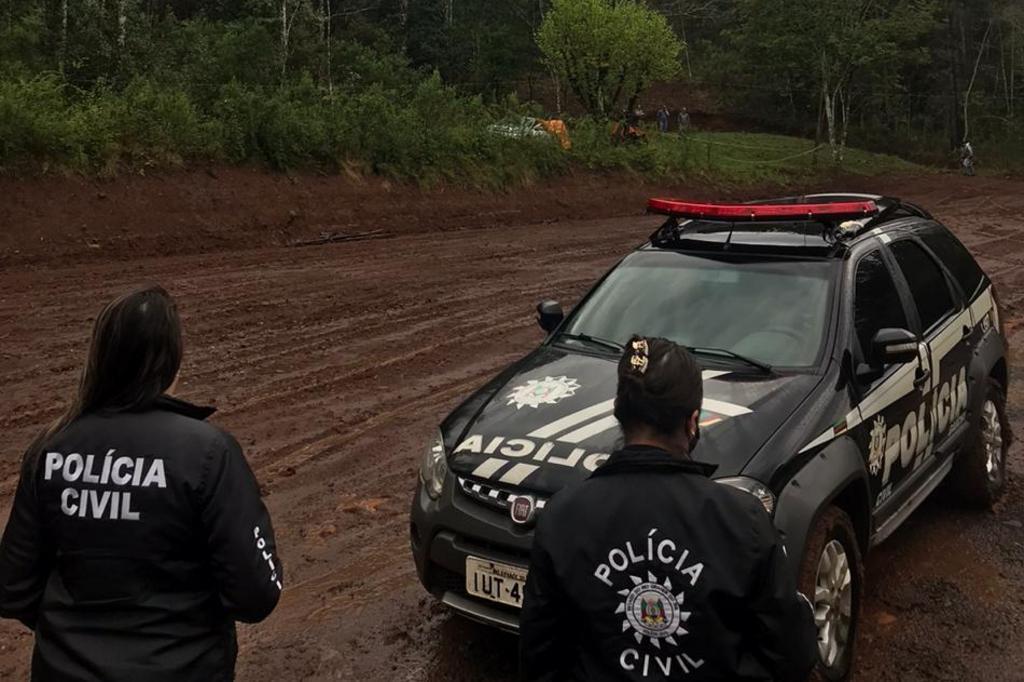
<point x="548" y="421"/>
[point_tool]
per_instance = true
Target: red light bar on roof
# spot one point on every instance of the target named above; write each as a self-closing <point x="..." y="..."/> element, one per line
<point x="733" y="212"/>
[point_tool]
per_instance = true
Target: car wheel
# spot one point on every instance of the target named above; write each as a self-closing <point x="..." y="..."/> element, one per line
<point x="832" y="577"/>
<point x="979" y="471"/>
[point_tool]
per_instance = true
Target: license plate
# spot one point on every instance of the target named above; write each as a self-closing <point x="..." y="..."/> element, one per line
<point x="490" y="580"/>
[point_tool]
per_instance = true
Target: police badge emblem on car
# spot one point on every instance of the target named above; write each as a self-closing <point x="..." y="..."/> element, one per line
<point x="523" y="509"/>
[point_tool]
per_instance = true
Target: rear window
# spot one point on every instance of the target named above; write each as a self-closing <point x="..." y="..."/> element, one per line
<point x="956" y="258"/>
<point x="927" y="284"/>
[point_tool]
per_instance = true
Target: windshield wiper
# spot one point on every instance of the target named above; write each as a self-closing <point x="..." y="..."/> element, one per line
<point x="594" y="341"/>
<point x="723" y="352"/>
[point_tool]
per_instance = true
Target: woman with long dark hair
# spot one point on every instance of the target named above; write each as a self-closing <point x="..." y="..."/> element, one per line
<point x="137" y="536"/>
<point x="648" y="570"/>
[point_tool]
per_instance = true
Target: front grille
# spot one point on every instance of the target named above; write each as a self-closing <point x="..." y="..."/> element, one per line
<point x="493" y="496"/>
<point x="447" y="581"/>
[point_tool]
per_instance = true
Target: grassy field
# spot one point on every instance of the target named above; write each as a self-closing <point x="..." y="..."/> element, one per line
<point x="733" y="158"/>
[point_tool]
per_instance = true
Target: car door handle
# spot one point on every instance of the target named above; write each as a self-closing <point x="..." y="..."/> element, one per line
<point x="922" y="378"/>
<point x="967" y="330"/>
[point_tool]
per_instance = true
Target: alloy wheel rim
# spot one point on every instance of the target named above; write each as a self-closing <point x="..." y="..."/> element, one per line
<point x="833" y="600"/>
<point x="992" y="438"/>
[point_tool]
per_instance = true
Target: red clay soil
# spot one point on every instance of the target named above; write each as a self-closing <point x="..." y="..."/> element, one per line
<point x="333" y="363"/>
<point x="64" y="220"/>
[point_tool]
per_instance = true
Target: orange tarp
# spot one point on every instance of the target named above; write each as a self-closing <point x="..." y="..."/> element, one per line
<point x="557" y="128"/>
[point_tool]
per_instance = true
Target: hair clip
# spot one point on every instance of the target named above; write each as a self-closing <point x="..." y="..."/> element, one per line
<point x="638" y="360"/>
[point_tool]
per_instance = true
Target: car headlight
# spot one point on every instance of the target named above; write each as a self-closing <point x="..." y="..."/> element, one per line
<point x="434" y="468"/>
<point x="759" y="490"/>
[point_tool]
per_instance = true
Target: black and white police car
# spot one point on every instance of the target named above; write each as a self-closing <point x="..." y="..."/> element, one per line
<point x="853" y="358"/>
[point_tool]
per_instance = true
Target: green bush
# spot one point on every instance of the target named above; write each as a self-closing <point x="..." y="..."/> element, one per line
<point x="415" y="130"/>
<point x="292" y="131"/>
<point x="32" y="121"/>
<point x="93" y="138"/>
<point x="240" y="112"/>
<point x="423" y="132"/>
<point x="160" y="125"/>
<point x="143" y="125"/>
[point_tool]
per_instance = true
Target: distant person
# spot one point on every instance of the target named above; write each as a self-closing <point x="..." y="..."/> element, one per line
<point x="684" y="121"/>
<point x="637" y="115"/>
<point x="663" y="117"/>
<point x="649" y="569"/>
<point x="137" y="536"/>
<point x="967" y="158"/>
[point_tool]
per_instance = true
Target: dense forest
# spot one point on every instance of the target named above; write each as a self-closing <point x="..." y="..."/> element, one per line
<point x="399" y="86"/>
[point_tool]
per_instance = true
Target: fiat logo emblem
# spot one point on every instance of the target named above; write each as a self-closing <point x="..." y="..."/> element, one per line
<point x="524" y="507"/>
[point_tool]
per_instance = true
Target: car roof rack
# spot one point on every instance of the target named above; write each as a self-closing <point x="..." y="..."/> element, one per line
<point x="842" y="217"/>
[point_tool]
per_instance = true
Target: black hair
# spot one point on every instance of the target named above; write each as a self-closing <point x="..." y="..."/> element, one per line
<point x="133" y="358"/>
<point x="660" y="386"/>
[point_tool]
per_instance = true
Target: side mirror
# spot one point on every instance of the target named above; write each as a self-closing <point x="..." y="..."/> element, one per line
<point x="894" y="347"/>
<point x="549" y="315"/>
<point x="888" y="347"/>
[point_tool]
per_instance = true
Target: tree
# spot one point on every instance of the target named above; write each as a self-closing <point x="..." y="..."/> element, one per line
<point x="683" y="13"/>
<point x="607" y="50"/>
<point x="829" y="46"/>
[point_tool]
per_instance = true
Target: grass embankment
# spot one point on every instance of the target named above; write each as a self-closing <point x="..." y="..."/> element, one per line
<point x="735" y="158"/>
<point x="416" y="131"/>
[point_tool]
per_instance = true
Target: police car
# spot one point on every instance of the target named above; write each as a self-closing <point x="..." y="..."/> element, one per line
<point x="853" y="359"/>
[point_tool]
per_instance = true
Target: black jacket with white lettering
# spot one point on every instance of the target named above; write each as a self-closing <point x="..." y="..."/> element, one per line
<point x="135" y="542"/>
<point x="648" y="570"/>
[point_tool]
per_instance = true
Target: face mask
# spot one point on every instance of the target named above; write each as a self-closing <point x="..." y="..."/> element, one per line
<point x="695" y="439"/>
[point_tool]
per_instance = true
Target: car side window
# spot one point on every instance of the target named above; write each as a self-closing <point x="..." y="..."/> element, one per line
<point x="876" y="303"/>
<point x="956" y="258"/>
<point x="928" y="284"/>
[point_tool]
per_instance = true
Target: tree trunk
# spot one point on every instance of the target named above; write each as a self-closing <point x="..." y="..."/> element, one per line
<point x="830" y="117"/>
<point x="636" y="96"/>
<point x="956" y="125"/>
<point x="122" y="23"/>
<point x="327" y="44"/>
<point x="844" y="107"/>
<point x="618" y="88"/>
<point x="284" y="37"/>
<point x="829" y="100"/>
<point x="1013" y="68"/>
<point x="821" y="119"/>
<point x="974" y="77"/>
<point x="686" y="47"/>
<point x="1004" y="72"/>
<point x="63" y="35"/>
<point x="818" y="128"/>
<point x="602" y="102"/>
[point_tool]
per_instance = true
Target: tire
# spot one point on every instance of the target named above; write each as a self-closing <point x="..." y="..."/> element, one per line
<point x="979" y="470"/>
<point x="831" y="539"/>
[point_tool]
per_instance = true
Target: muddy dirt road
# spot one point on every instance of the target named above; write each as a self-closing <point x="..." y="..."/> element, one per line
<point x="332" y="364"/>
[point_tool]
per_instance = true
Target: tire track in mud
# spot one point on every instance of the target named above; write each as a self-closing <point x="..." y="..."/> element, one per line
<point x="466" y="325"/>
<point x="229" y="359"/>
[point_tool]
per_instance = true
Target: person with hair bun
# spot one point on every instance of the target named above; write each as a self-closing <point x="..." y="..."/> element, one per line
<point x="137" y="536"/>
<point x="649" y="570"/>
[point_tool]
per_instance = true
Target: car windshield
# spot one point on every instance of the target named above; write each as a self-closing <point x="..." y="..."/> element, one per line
<point x="772" y="311"/>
